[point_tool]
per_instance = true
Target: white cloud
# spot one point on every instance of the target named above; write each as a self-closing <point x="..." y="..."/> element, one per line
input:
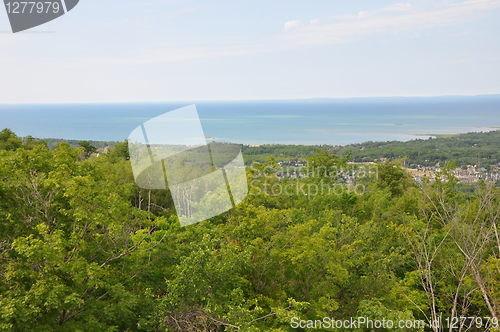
<point x="381" y="21"/>
<point x="363" y="14"/>
<point x="345" y="29"/>
<point x="292" y="24"/>
<point x="390" y="21"/>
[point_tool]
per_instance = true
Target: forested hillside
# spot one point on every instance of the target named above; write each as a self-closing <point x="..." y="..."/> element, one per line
<point x="82" y="248"/>
<point x="466" y="149"/>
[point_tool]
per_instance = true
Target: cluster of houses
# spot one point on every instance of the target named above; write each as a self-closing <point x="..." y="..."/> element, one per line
<point x="355" y="171"/>
<point x="470" y="174"/>
<point x="347" y="174"/>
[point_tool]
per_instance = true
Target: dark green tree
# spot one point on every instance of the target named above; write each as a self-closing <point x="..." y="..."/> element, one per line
<point x="9" y="140"/>
<point x="88" y="148"/>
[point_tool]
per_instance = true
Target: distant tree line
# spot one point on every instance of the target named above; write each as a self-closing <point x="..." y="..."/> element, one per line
<point x="465" y="149"/>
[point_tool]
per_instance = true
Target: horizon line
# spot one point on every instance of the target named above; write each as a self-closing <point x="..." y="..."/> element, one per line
<point x="248" y="100"/>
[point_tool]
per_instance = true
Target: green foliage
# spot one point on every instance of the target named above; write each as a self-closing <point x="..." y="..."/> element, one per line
<point x="393" y="177"/>
<point x="88" y="148"/>
<point x="9" y="140"/>
<point x="82" y="248"/>
<point x="120" y="150"/>
<point x="29" y="142"/>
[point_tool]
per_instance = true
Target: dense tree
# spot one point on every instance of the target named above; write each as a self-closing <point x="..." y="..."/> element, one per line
<point x="88" y="148"/>
<point x="82" y="248"/>
<point x="9" y="140"/>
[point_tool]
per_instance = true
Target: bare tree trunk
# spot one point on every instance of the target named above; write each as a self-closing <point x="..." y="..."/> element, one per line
<point x="484" y="291"/>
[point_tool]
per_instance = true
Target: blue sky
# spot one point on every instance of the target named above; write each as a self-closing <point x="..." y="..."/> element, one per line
<point x="186" y="50"/>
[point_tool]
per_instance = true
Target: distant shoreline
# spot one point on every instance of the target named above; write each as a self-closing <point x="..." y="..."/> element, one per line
<point x="101" y="144"/>
<point x="301" y="122"/>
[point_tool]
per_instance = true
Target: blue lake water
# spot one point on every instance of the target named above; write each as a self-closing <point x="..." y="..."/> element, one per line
<point x="314" y="121"/>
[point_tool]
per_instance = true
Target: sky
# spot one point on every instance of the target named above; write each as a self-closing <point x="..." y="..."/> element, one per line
<point x="188" y="50"/>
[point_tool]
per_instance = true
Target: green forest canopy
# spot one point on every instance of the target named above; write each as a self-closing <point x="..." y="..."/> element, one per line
<point x="84" y="249"/>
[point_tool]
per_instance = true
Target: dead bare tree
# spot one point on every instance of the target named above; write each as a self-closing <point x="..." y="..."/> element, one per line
<point x="472" y="228"/>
